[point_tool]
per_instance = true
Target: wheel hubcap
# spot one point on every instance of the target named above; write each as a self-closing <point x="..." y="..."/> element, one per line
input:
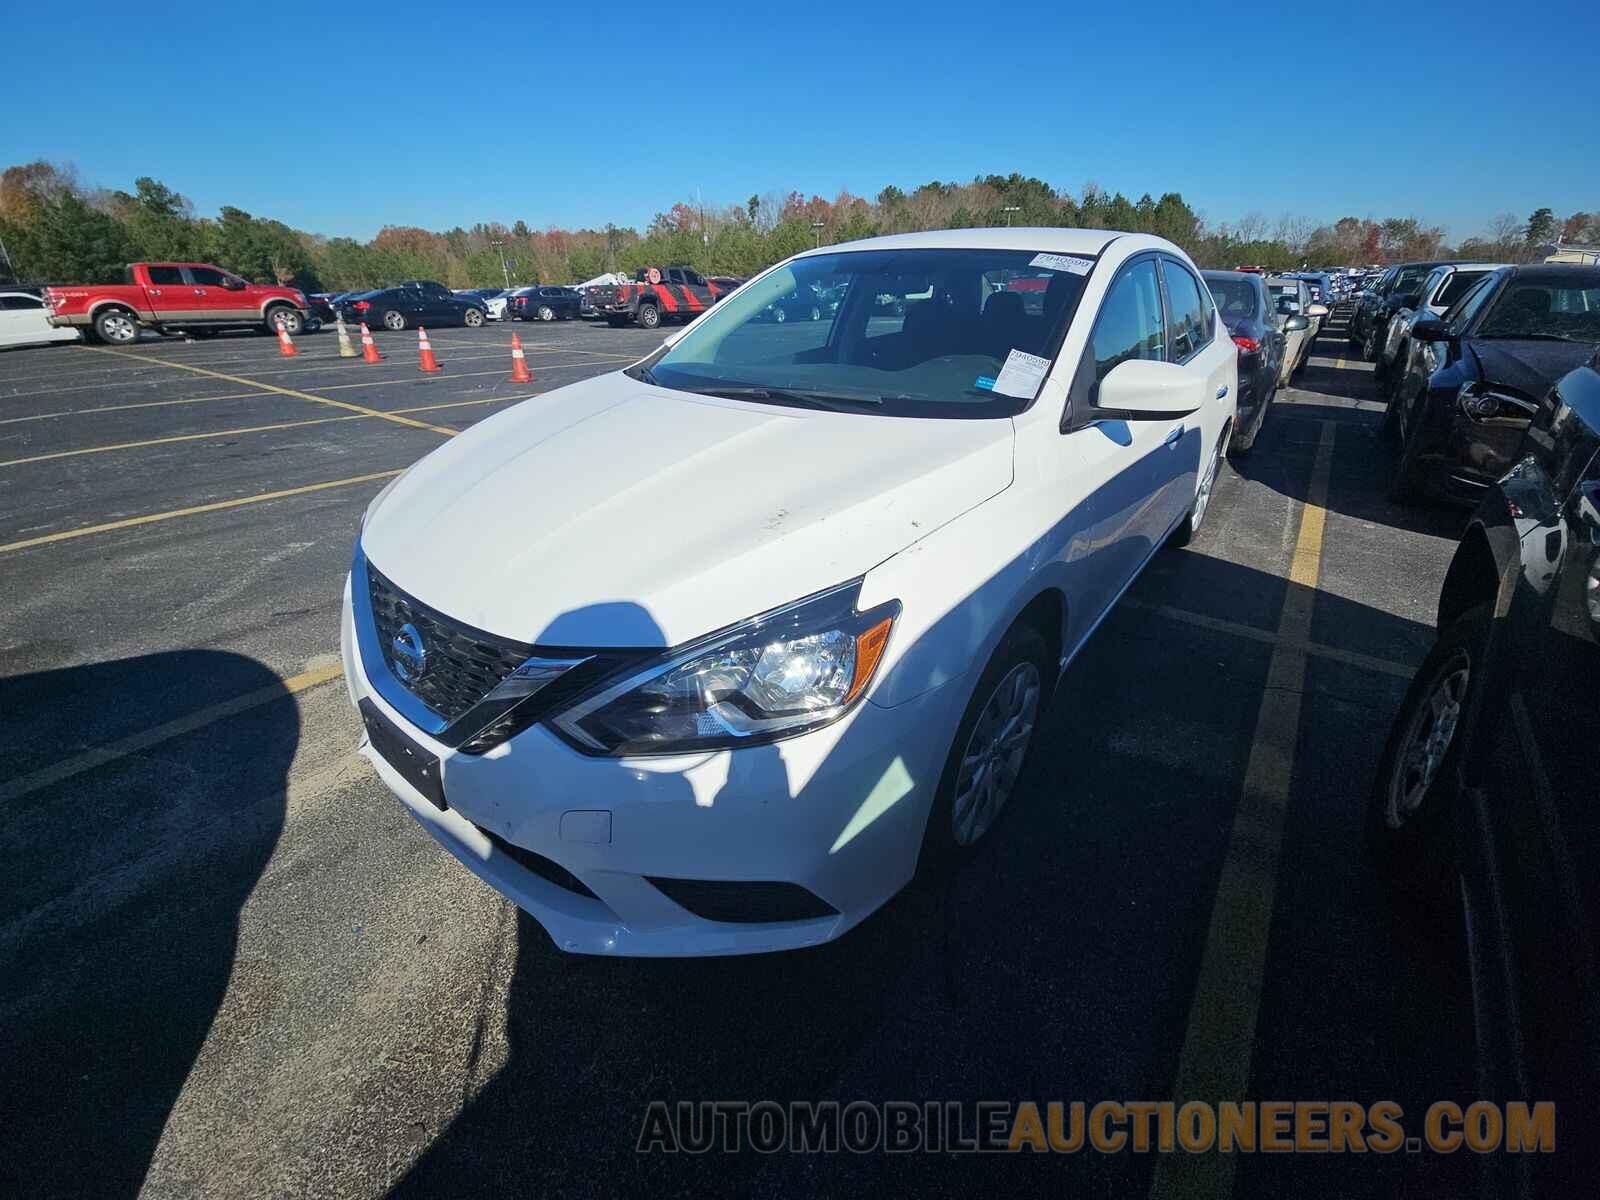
<point x="1432" y="729"/>
<point x="119" y="329"/>
<point x="392" y="320"/>
<point x="1202" y="495"/>
<point x="994" y="753"/>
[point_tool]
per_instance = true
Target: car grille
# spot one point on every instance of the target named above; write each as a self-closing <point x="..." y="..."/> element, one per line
<point x="463" y="664"/>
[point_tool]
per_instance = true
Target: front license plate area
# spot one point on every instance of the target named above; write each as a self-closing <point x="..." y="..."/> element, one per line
<point x="416" y="766"/>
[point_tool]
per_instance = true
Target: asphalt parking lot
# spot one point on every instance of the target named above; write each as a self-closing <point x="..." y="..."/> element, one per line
<point x="231" y="964"/>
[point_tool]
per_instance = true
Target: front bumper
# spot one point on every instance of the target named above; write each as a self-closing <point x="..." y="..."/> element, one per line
<point x="839" y="812"/>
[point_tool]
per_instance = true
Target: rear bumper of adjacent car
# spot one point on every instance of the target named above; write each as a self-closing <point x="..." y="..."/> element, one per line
<point x="754" y="850"/>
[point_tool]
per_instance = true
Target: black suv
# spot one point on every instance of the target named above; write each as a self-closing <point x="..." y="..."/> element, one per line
<point x="1486" y="809"/>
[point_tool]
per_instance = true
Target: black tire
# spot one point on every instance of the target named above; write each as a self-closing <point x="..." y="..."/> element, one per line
<point x="1023" y="647"/>
<point x="472" y="318"/>
<point x="1240" y="447"/>
<point x="546" y="313"/>
<point x="290" y="318"/>
<point x="649" y="316"/>
<point x="816" y="313"/>
<point x="1409" y="829"/>
<point x="393" y="320"/>
<point x="779" y="315"/>
<point x="116" y="327"/>
<point x="1205" y="492"/>
<point x="1372" y="347"/>
<point x="1407" y="487"/>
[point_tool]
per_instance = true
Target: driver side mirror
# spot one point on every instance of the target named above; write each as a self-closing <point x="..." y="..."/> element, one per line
<point x="1431" y="330"/>
<point x="1296" y="323"/>
<point x="232" y="283"/>
<point x="1317" y="310"/>
<point x="1147" y="390"/>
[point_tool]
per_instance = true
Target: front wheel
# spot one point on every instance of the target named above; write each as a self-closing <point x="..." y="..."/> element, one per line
<point x="116" y="327"/>
<point x="649" y="316"/>
<point x="472" y="318"/>
<point x="991" y="745"/>
<point x="1408" y="828"/>
<point x="287" y="319"/>
<point x="394" y="320"/>
<point x="779" y="315"/>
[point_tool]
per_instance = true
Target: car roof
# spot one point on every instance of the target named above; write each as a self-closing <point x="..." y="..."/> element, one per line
<point x="1045" y="238"/>
<point x="1559" y="273"/>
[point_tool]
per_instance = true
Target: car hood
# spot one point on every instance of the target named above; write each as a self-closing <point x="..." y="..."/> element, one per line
<point x="1529" y="367"/>
<point x="612" y="513"/>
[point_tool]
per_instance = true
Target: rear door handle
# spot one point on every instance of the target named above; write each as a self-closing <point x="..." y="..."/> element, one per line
<point x="1175" y="436"/>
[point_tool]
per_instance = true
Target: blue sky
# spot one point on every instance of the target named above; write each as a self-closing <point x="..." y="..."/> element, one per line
<point x="341" y="120"/>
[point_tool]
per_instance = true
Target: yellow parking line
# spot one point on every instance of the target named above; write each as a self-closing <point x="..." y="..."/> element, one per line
<point x="12" y="789"/>
<point x="194" y="510"/>
<point x="217" y="433"/>
<point x="1219" y="1041"/>
<point x="283" y="391"/>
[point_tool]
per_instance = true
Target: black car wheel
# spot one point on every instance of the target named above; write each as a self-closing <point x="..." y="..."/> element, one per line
<point x="649" y="316"/>
<point x="816" y="313"/>
<point x="1373" y="344"/>
<point x="472" y="318"/>
<point x="1407" y="487"/>
<point x="779" y="315"/>
<point x="1409" y="831"/>
<point x="394" y="319"/>
<point x="546" y="313"/>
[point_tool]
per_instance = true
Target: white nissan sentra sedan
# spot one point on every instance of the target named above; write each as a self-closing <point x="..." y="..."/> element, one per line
<point x="704" y="656"/>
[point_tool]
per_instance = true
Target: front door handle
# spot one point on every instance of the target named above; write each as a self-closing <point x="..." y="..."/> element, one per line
<point x="1222" y="391"/>
<point x="1175" y="436"/>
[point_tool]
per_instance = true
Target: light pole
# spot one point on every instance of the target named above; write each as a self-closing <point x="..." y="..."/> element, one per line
<point x="504" y="270"/>
<point x="1008" y="210"/>
<point x="819" y="226"/>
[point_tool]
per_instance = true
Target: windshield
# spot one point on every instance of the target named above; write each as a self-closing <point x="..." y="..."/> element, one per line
<point x="1409" y="278"/>
<point x="1235" y="297"/>
<point x="926" y="333"/>
<point x="1529" y="310"/>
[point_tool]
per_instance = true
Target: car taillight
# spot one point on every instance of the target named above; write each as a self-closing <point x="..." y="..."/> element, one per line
<point x="1249" y="345"/>
<point x="361" y="305"/>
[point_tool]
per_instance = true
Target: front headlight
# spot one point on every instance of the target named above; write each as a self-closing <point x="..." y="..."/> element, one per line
<point x="781" y="674"/>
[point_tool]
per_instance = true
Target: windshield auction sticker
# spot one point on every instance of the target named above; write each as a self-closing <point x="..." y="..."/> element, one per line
<point x="1063" y="262"/>
<point x="1021" y="375"/>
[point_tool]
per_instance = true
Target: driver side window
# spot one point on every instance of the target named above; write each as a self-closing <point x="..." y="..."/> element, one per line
<point x="1129" y="325"/>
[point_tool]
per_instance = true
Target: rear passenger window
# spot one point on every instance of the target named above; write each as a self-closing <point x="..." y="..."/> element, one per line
<point x="1129" y="326"/>
<point x="1190" y="315"/>
<point x="166" y="275"/>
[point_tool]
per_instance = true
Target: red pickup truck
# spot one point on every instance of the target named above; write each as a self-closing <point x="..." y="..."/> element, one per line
<point x="195" y="297"/>
<point x="655" y="295"/>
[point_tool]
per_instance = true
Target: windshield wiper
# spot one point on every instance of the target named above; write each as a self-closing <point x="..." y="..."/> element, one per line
<point x="828" y="401"/>
<point x="1529" y="337"/>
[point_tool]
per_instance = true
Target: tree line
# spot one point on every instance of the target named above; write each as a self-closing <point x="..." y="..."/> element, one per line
<point x="55" y="229"/>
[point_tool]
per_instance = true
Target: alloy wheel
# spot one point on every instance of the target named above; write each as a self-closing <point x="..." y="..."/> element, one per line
<point x="1431" y="729"/>
<point x="1202" y="493"/>
<point x="994" y="753"/>
<point x="118" y="328"/>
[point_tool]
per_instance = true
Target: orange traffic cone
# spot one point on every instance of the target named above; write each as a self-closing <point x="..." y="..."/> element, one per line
<point x="519" y="362"/>
<point x="369" y="348"/>
<point x="285" y="346"/>
<point x="426" y="361"/>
